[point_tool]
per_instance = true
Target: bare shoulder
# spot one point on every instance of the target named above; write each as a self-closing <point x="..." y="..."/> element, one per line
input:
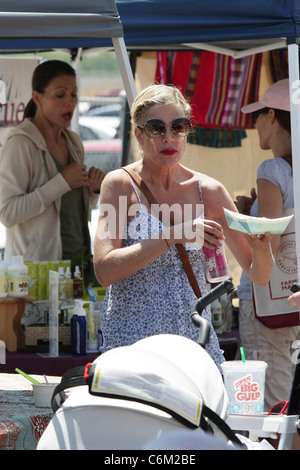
<point x="188" y="175"/>
<point x="215" y="197"/>
<point x="211" y="186"/>
<point x="116" y="181"/>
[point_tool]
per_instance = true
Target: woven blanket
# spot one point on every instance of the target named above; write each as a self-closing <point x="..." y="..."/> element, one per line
<point x="216" y="85"/>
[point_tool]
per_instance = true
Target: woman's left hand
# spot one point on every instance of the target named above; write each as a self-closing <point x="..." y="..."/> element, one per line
<point x="294" y="299"/>
<point x="96" y="177"/>
<point x="260" y="241"/>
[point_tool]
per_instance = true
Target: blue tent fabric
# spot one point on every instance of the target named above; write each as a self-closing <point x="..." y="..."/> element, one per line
<point x="162" y="22"/>
<point x="44" y="24"/>
<point x="40" y="24"/>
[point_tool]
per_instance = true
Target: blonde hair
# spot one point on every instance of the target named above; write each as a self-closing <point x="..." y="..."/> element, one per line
<point x="157" y="95"/>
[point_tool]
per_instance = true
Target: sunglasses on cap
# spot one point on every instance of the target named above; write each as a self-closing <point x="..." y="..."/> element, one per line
<point x="157" y="128"/>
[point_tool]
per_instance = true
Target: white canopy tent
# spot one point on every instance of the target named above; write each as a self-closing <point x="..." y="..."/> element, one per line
<point x="37" y="25"/>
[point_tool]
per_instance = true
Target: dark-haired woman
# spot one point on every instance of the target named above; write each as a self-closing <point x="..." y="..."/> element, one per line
<point x="275" y="198"/>
<point x="45" y="189"/>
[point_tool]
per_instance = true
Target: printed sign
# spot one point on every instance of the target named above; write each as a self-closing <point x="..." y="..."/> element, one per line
<point x="15" y="91"/>
<point x="247" y="389"/>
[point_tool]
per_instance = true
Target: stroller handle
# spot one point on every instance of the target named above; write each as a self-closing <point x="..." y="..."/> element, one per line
<point x="198" y="320"/>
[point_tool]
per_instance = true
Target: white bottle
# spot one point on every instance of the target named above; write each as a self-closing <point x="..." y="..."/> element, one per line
<point x="17" y="278"/>
<point x="62" y="284"/>
<point x="216" y="314"/>
<point x="3" y="279"/>
<point x="91" y="330"/>
<point x="69" y="283"/>
<point x="78" y="284"/>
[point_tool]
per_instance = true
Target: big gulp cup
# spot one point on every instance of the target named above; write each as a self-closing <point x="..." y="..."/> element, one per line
<point x="245" y="386"/>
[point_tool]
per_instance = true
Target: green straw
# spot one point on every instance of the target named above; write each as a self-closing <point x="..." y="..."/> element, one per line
<point x="28" y="377"/>
<point x="242" y="354"/>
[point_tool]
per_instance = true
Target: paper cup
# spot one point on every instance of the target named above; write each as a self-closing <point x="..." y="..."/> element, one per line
<point x="245" y="386"/>
<point x="42" y="394"/>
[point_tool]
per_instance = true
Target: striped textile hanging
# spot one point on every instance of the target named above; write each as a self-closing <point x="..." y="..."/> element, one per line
<point x="216" y="85"/>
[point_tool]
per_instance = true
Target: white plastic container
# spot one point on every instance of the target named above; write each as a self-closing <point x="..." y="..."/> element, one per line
<point x="78" y="284"/>
<point x="216" y="314"/>
<point x="17" y="278"/>
<point x="245" y="386"/>
<point x="69" y="283"/>
<point x="62" y="284"/>
<point x="91" y="330"/>
<point x="42" y="394"/>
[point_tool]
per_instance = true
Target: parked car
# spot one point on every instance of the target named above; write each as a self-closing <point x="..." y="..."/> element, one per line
<point x="112" y="110"/>
<point x="91" y="128"/>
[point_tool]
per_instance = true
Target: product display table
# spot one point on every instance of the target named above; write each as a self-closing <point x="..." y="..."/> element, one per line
<point x="21" y="422"/>
<point x="34" y="363"/>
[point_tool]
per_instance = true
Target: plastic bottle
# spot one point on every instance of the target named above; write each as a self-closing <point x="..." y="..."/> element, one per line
<point x="81" y="331"/>
<point x="3" y="279"/>
<point x="17" y="278"/>
<point x="73" y="330"/>
<point x="62" y="284"/>
<point x="91" y="331"/>
<point x="78" y="284"/>
<point x="69" y="283"/>
<point x="216" y="314"/>
<point x="216" y="267"/>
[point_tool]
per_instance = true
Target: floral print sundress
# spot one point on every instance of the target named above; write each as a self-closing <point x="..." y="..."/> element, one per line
<point x="158" y="299"/>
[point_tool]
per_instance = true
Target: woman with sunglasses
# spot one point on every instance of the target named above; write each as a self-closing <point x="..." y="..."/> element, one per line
<point x="135" y="254"/>
<point x="272" y="343"/>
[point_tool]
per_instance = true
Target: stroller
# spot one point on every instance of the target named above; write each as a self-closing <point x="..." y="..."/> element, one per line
<point x="162" y="392"/>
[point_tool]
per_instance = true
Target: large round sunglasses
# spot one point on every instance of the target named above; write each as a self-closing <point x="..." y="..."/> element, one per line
<point x="157" y="128"/>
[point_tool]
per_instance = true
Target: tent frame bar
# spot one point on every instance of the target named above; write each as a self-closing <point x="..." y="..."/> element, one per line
<point x="294" y="85"/>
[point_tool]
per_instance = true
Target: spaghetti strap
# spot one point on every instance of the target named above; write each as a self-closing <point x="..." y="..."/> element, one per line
<point x="200" y="188"/>
<point x="133" y="185"/>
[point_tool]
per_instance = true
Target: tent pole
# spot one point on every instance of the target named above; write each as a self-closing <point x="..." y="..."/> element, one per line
<point x="76" y="65"/>
<point x="125" y="69"/>
<point x="293" y="59"/>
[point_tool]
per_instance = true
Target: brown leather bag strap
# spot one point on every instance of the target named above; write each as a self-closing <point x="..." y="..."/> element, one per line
<point x="180" y="248"/>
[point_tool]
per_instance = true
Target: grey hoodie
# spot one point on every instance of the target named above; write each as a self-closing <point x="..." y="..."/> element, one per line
<point x="30" y="193"/>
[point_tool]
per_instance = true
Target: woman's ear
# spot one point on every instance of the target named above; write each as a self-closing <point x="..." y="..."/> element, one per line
<point x="139" y="135"/>
<point x="271" y="115"/>
<point x="36" y="97"/>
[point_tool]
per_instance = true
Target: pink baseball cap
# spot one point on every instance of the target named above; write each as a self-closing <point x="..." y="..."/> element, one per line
<point x="276" y="97"/>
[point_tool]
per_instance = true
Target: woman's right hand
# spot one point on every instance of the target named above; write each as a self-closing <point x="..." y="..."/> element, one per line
<point x="204" y="232"/>
<point x="76" y="175"/>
